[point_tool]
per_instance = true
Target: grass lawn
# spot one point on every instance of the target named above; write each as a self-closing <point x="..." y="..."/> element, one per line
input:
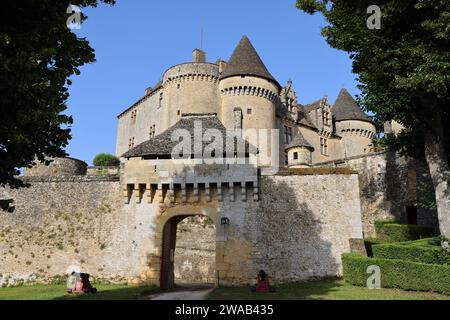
<point x="322" y="290"/>
<point x="58" y="292"/>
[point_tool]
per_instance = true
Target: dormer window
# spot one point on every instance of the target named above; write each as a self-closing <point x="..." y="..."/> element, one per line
<point x="326" y="118"/>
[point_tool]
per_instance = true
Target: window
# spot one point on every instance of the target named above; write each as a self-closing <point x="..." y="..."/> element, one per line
<point x="178" y="86"/>
<point x="152" y="131"/>
<point x="130" y="143"/>
<point x="295" y="155"/>
<point x="179" y="112"/>
<point x="324" y="146"/>
<point x="133" y="116"/>
<point x="249" y="111"/>
<point x="287" y="134"/>
<point x="160" y="99"/>
<point x="326" y="118"/>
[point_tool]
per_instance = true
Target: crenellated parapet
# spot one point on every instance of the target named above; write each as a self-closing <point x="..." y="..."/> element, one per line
<point x="192" y="71"/>
<point x="249" y="91"/>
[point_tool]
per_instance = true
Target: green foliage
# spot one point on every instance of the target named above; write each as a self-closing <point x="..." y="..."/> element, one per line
<point x="391" y="231"/>
<point x="38" y="54"/>
<point x="410" y="251"/>
<point x="403" y="67"/>
<point x="396" y="273"/>
<point x="106" y="160"/>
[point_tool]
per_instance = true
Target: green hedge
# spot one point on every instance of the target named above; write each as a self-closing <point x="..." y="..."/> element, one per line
<point x="395" y="273"/>
<point x="391" y="231"/>
<point x="405" y="251"/>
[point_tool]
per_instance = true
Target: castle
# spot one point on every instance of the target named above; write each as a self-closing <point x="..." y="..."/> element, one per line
<point x="289" y="203"/>
<point x="243" y="95"/>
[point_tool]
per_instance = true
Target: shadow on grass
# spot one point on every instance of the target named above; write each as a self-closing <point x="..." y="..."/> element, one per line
<point x="126" y="293"/>
<point x="292" y="291"/>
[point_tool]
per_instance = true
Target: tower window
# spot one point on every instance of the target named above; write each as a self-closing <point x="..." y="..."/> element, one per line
<point x="249" y="111"/>
<point x="152" y="131"/>
<point x="160" y="99"/>
<point x="179" y="112"/>
<point x="133" y="116"/>
<point x="178" y="86"/>
<point x="131" y="143"/>
<point x="295" y="155"/>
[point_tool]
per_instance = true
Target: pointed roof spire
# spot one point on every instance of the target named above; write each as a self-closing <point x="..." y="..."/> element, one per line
<point x="299" y="141"/>
<point x="346" y="108"/>
<point x="245" y="61"/>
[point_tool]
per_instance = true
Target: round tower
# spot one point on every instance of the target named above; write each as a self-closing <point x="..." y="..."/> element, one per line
<point x="353" y="125"/>
<point x="248" y="91"/>
<point x="190" y="88"/>
<point x="57" y="167"/>
<point x="299" y="152"/>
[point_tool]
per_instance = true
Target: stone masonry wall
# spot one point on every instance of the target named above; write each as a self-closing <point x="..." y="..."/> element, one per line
<point x="195" y="254"/>
<point x="59" y="223"/>
<point x="296" y="231"/>
<point x="388" y="184"/>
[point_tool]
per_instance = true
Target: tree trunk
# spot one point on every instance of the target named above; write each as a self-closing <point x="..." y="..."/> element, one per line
<point x="440" y="174"/>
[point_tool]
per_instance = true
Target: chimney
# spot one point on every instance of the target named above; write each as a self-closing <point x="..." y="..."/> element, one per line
<point x="198" y="56"/>
<point x="222" y="65"/>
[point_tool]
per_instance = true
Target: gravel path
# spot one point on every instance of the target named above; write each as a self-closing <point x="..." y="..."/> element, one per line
<point x="195" y="292"/>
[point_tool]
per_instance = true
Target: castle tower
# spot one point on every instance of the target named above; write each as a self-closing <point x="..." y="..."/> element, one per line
<point x="299" y="152"/>
<point x="246" y="84"/>
<point x="190" y="87"/>
<point x="353" y="125"/>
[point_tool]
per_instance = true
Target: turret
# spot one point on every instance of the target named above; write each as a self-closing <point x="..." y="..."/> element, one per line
<point x="246" y="84"/>
<point x="353" y="125"/>
<point x="299" y="152"/>
<point x="190" y="87"/>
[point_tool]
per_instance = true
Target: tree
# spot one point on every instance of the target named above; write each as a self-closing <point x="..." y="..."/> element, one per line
<point x="404" y="72"/>
<point x="106" y="160"/>
<point x="38" y="54"/>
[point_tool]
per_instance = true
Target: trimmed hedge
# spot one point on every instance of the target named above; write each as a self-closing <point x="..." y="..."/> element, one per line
<point x="406" y="251"/>
<point x="391" y="231"/>
<point x="396" y="273"/>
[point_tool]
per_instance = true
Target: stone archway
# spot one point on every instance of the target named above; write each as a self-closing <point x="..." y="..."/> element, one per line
<point x="161" y="264"/>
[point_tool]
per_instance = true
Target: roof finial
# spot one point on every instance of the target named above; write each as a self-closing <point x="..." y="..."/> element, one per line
<point x="201" y="38"/>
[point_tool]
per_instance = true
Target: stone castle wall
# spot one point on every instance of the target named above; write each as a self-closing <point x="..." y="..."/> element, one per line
<point x="389" y="184"/>
<point x="59" y="223"/>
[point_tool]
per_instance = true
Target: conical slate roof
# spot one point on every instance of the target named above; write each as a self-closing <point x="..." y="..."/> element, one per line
<point x="346" y="108"/>
<point x="299" y="141"/>
<point x="245" y="61"/>
<point x="163" y="145"/>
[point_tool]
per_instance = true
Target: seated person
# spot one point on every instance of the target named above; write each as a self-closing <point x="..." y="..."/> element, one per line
<point x="71" y="282"/>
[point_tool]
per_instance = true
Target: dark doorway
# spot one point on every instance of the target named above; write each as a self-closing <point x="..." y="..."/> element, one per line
<point x="411" y="214"/>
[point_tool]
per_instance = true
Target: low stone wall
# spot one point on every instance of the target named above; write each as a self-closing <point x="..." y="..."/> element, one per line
<point x="93" y="171"/>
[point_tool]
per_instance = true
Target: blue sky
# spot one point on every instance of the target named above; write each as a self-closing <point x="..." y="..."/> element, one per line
<point x="136" y="41"/>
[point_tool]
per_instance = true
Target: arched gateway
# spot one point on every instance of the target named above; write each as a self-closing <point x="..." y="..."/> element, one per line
<point x="165" y="238"/>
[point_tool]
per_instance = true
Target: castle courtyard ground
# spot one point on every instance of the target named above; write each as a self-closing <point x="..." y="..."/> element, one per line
<point x="314" y="290"/>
